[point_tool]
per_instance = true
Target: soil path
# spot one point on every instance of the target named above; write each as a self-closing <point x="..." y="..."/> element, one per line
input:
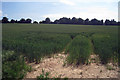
<point x="57" y="67"/>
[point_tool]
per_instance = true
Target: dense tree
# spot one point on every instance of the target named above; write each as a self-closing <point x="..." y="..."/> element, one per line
<point x="107" y="22"/>
<point x="74" y="20"/>
<point x="101" y="22"/>
<point x="16" y="21"/>
<point x="113" y="22"/>
<point x="5" y="20"/>
<point x="22" y="20"/>
<point x="56" y="22"/>
<point x="95" y="22"/>
<point x="65" y="20"/>
<point x="80" y="21"/>
<point x="42" y="22"/>
<point x="12" y="21"/>
<point x="28" y="20"/>
<point x="35" y="22"/>
<point x="86" y="22"/>
<point x="47" y="21"/>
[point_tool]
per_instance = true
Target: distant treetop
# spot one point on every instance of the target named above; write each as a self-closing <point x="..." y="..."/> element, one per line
<point x="64" y="20"/>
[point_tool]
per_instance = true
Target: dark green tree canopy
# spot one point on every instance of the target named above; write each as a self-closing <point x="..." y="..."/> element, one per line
<point x="47" y="20"/>
<point x="22" y="20"/>
<point x="35" y="22"/>
<point x="28" y="20"/>
<point x="12" y="21"/>
<point x="65" y="20"/>
<point x="5" y="20"/>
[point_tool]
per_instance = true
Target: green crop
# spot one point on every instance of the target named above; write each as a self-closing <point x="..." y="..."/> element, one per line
<point x="31" y="42"/>
<point x="34" y="45"/>
<point x="106" y="46"/>
<point x="79" y="50"/>
<point x="13" y="67"/>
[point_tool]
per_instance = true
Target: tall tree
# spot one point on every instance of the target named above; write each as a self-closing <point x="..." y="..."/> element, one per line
<point x="64" y="20"/>
<point x="56" y="22"/>
<point x="74" y="20"/>
<point x="101" y="22"/>
<point x="28" y="20"/>
<point x="47" y="20"/>
<point x="16" y="21"/>
<point x="94" y="22"/>
<point x="22" y="20"/>
<point x="5" y="20"/>
<point x="12" y="21"/>
<point x="35" y="22"/>
<point x="113" y="22"/>
<point x="80" y="21"/>
<point x="107" y="22"/>
<point x="86" y="22"/>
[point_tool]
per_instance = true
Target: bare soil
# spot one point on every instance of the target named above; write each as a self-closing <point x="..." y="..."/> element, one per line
<point x="57" y="67"/>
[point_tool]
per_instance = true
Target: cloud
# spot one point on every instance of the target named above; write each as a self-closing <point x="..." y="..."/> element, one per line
<point x="55" y="16"/>
<point x="68" y="2"/>
<point x="91" y="1"/>
<point x="29" y="0"/>
<point x="101" y="13"/>
<point x="77" y="9"/>
<point x="65" y="1"/>
<point x="56" y="4"/>
<point x="91" y="12"/>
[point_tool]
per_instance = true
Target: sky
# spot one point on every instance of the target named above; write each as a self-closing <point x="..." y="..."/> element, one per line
<point x="38" y="10"/>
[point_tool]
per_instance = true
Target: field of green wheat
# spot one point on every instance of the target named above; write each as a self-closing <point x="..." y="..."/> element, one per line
<point x="31" y="42"/>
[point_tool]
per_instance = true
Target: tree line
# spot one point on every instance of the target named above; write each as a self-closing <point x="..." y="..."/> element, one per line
<point x="64" y="20"/>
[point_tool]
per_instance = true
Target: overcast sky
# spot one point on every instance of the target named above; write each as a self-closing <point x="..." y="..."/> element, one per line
<point x="55" y="9"/>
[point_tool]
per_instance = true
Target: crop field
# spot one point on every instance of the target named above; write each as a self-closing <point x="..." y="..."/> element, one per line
<point x="79" y="50"/>
<point x="35" y="41"/>
<point x="106" y="46"/>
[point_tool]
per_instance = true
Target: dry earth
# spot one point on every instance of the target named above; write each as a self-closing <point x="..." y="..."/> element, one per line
<point x="57" y="67"/>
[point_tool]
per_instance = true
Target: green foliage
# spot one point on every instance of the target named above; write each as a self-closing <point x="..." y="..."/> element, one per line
<point x="45" y="76"/>
<point x="106" y="46"/>
<point x="35" y="45"/>
<point x="35" y="41"/>
<point x="79" y="50"/>
<point x="14" y="67"/>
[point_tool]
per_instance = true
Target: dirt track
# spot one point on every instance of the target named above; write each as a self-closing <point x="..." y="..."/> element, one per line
<point x="57" y="68"/>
